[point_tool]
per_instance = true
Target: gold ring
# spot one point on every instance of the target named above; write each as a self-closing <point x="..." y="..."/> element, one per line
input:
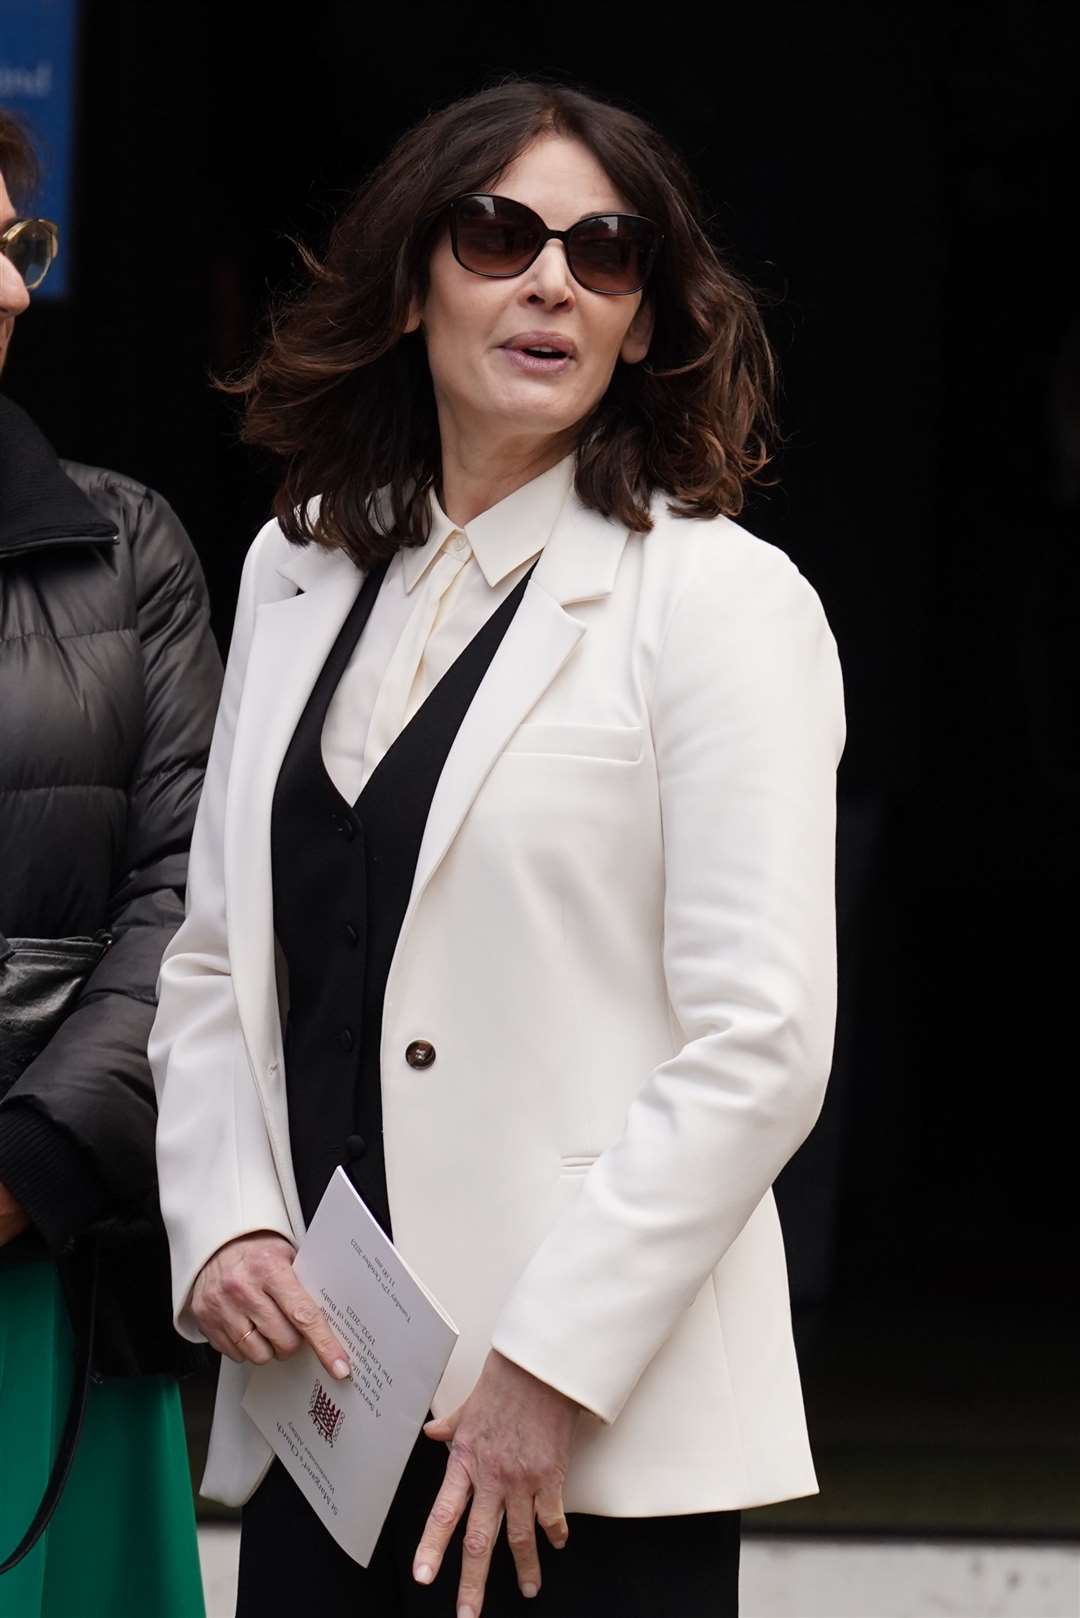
<point x="246" y="1335"/>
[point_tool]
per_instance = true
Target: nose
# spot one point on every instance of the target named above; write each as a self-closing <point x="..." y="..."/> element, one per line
<point x="549" y="277"/>
<point x="14" y="297"/>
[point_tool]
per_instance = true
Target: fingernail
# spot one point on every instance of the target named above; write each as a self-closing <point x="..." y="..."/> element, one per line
<point x="530" y="1590"/>
<point x="465" y="1612"/>
<point x="423" y="1574"/>
<point x="341" y="1368"/>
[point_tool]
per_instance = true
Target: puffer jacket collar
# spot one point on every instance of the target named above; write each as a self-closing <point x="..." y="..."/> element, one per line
<point x="40" y="507"/>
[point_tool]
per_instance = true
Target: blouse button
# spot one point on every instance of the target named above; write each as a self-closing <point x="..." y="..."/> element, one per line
<point x="346" y="1040"/>
<point x="351" y="934"/>
<point x="421" y="1053"/>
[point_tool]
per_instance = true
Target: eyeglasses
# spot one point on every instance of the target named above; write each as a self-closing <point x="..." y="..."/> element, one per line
<point x="610" y="253"/>
<point x="30" y="244"/>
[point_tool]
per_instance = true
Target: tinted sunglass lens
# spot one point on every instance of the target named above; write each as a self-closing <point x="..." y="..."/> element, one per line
<point x="31" y="254"/>
<point x="612" y="253"/>
<point x="495" y="238"/>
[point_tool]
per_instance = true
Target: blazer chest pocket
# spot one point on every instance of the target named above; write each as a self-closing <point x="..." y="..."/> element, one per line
<point x="614" y="743"/>
<point x="576" y="1167"/>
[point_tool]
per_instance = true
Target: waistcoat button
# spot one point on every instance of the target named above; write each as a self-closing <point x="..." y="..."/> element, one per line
<point x="345" y="1039"/>
<point x="343" y="825"/>
<point x="421" y="1053"/>
<point x="351" y="934"/>
<point x="355" y="1147"/>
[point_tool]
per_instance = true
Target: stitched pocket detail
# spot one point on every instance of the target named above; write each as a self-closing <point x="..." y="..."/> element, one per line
<point x="580" y="1164"/>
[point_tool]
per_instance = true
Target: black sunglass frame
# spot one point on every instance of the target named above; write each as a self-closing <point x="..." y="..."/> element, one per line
<point x="547" y="235"/>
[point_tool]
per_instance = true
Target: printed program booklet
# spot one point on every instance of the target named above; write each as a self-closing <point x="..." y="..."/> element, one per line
<point x="345" y="1444"/>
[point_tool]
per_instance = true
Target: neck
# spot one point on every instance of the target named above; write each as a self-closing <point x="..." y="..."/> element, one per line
<point x="476" y="477"/>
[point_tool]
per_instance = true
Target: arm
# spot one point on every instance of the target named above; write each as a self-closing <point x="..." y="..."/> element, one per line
<point x="230" y="1240"/>
<point x="77" y="1129"/>
<point x="216" y="1174"/>
<point x="748" y="728"/>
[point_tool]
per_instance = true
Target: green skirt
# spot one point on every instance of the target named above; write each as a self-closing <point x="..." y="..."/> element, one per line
<point x="122" y="1542"/>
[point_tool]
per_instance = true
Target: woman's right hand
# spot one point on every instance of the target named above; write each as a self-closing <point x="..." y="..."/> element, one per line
<point x="251" y="1307"/>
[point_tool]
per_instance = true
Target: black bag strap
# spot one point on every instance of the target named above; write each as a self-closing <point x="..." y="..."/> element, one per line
<point x="69" y="1438"/>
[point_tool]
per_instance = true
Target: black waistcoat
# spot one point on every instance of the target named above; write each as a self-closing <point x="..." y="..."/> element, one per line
<point x="342" y="877"/>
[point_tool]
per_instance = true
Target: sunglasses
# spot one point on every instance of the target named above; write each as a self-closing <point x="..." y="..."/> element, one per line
<point x="610" y="253"/>
<point x="30" y="244"/>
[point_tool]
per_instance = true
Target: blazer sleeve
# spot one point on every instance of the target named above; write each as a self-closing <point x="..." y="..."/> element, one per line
<point x="77" y="1129"/>
<point x="748" y="729"/>
<point x="216" y="1175"/>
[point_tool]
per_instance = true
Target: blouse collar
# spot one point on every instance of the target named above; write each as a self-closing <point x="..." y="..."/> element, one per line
<point x="509" y="533"/>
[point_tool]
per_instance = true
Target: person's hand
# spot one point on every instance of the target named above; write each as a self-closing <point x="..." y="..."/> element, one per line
<point x="14" y="1218"/>
<point x="251" y="1306"/>
<point x="509" y="1449"/>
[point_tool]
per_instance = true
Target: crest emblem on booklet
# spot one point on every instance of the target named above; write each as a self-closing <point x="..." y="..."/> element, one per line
<point x="327" y="1417"/>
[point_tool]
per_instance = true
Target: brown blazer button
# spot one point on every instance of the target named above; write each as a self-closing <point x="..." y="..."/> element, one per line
<point x="420" y="1053"/>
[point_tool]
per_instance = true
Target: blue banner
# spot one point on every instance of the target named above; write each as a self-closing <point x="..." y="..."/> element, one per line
<point x="37" y="82"/>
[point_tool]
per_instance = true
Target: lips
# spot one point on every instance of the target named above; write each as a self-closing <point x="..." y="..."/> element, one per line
<point x="544" y="345"/>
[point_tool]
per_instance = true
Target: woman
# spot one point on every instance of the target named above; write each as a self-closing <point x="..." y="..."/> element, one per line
<point x="108" y="681"/>
<point x="528" y="761"/>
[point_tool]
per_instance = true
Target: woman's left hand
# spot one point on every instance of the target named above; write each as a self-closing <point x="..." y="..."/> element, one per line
<point x="509" y="1449"/>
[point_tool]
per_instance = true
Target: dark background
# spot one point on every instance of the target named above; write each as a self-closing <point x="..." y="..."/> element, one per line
<point x="901" y="187"/>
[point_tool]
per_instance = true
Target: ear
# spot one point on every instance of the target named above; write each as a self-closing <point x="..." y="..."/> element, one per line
<point x="635" y="345"/>
<point x="412" y="320"/>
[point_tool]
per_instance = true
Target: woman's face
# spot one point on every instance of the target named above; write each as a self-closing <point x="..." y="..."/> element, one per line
<point x="14" y="297"/>
<point x="486" y="396"/>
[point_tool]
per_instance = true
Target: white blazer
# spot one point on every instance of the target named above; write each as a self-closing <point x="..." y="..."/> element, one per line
<point x="620" y="941"/>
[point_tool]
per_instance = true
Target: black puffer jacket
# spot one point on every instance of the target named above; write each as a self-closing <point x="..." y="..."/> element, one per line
<point x="109" y="679"/>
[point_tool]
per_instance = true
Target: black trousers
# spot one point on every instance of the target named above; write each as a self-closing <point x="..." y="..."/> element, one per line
<point x="628" y="1567"/>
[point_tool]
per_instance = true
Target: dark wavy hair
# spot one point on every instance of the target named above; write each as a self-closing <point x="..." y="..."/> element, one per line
<point x="18" y="159"/>
<point x="347" y="401"/>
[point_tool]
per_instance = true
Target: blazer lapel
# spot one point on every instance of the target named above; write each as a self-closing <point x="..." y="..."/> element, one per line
<point x="578" y="563"/>
<point x="291" y="641"/>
